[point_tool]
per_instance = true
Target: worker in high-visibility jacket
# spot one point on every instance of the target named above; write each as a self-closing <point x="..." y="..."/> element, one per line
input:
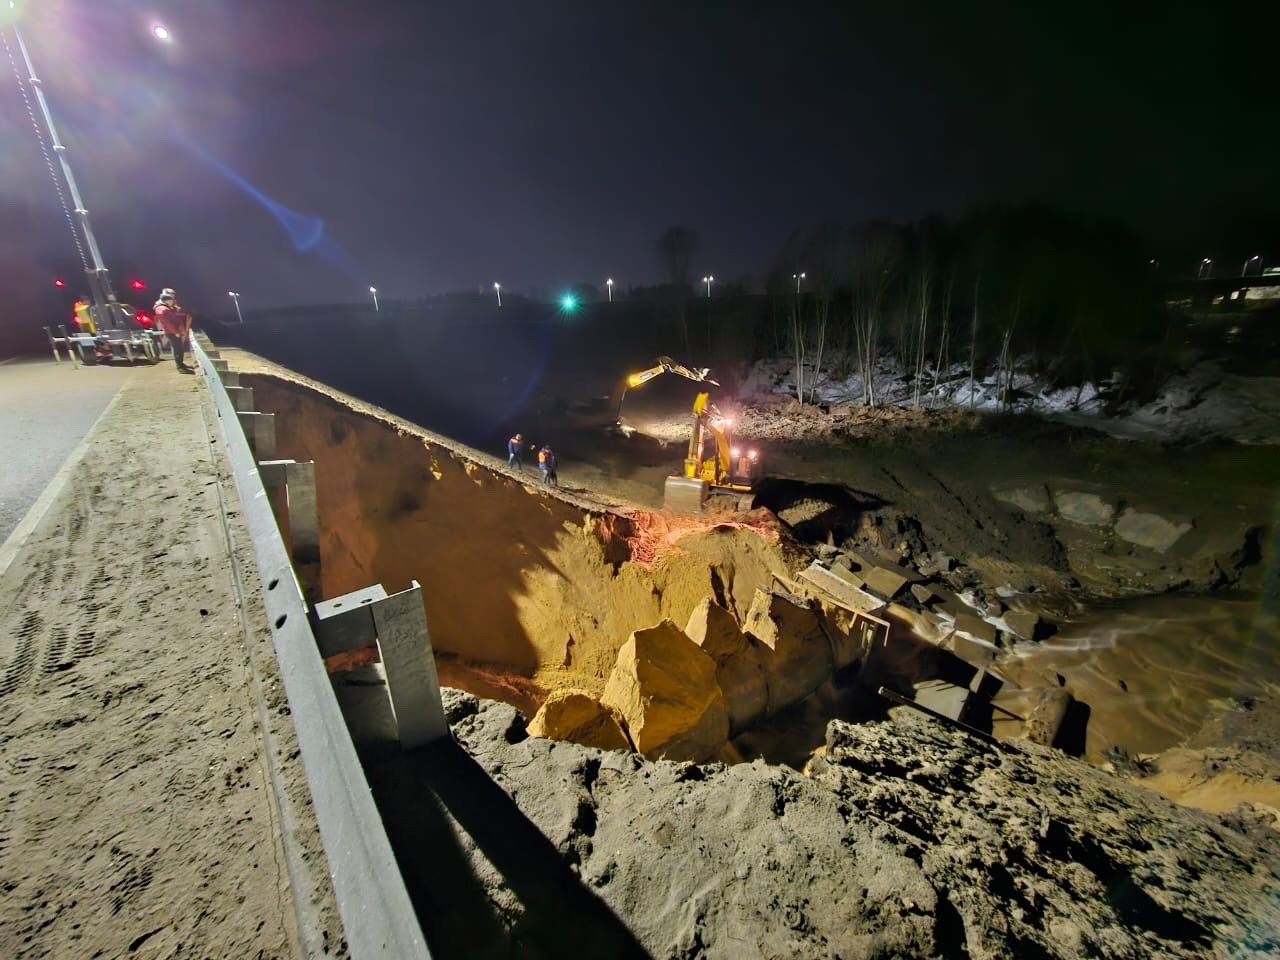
<point x="177" y="325"/>
<point x="83" y="316"/>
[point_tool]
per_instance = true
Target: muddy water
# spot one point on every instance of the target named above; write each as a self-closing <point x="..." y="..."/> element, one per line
<point x="1151" y="670"/>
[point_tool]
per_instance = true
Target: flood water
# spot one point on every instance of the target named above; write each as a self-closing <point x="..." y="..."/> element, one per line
<point x="1151" y="670"/>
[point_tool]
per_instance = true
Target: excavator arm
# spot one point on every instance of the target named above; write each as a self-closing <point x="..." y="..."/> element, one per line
<point x="667" y="365"/>
<point x="664" y="365"/>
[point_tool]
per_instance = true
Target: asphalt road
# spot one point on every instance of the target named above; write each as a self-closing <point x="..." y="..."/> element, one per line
<point x="46" y="409"/>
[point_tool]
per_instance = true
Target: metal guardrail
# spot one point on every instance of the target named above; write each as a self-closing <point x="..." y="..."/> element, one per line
<point x="377" y="914"/>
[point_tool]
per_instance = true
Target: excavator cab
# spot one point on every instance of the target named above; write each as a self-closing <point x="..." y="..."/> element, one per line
<point x="713" y="464"/>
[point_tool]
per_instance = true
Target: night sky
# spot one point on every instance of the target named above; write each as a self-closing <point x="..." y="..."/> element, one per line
<point x="448" y="145"/>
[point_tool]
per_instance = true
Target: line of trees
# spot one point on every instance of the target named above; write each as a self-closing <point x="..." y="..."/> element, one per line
<point x="1076" y="296"/>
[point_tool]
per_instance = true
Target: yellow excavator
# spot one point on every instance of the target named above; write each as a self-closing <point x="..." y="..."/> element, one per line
<point x="713" y="464"/>
<point x="611" y="415"/>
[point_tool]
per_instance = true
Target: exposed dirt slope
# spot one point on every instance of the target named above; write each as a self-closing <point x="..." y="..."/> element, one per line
<point x="515" y="577"/>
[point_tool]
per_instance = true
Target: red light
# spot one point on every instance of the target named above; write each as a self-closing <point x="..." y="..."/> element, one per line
<point x="58" y="283"/>
<point x="144" y="318"/>
<point x="137" y="284"/>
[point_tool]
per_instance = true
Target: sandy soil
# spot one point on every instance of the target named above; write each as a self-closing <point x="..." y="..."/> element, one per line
<point x="523" y="597"/>
<point x="138" y="816"/>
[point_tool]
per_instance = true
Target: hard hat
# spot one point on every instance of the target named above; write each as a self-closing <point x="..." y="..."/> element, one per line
<point x="168" y="294"/>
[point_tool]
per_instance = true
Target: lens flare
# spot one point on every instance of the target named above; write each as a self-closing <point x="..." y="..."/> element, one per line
<point x="306" y="233"/>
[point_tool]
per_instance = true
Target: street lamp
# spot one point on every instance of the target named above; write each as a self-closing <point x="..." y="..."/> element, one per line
<point x="708" y="281"/>
<point x="797" y="277"/>
<point x="1206" y="269"/>
<point x="161" y="32"/>
<point x="497" y="288"/>
<point x="374" y="291"/>
<point x="609" y="285"/>
<point x="236" y="297"/>
<point x="1257" y="257"/>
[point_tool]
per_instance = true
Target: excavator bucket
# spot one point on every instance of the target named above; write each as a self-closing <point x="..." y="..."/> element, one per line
<point x="685" y="494"/>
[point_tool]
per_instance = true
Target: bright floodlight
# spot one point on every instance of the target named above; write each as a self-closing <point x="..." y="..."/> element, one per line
<point x="568" y="302"/>
<point x="161" y="32"/>
<point x="373" y="289"/>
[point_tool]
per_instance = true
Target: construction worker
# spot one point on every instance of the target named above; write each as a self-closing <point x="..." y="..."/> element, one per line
<point x="82" y="316"/>
<point x="547" y="464"/>
<point x="177" y="326"/>
<point x="513" y="452"/>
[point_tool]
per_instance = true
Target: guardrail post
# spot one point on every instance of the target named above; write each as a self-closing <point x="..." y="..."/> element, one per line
<point x="398" y="625"/>
<point x="297" y="482"/>
<point x="260" y="430"/>
<point x="241" y="398"/>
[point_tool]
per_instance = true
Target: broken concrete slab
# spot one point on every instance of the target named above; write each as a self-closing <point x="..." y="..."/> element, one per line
<point x="966" y="648"/>
<point x="882" y="574"/>
<point x="926" y="625"/>
<point x="885" y="582"/>
<point x="577" y="716"/>
<point x="976" y="627"/>
<point x="795" y="652"/>
<point x="1030" y="499"/>
<point x="1149" y="530"/>
<point x="739" y="671"/>
<point x="844" y="587"/>
<point x="664" y="687"/>
<point x="922" y="592"/>
<point x="1023" y="623"/>
<point x="1088" y="509"/>
<point x="942" y="697"/>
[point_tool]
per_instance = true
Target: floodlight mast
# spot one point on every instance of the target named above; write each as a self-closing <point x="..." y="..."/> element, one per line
<point x="103" y="295"/>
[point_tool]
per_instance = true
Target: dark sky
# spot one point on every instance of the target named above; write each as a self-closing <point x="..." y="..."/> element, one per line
<point x="538" y="143"/>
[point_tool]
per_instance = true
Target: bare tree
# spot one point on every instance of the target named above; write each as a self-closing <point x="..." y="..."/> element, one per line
<point x="973" y="336"/>
<point x="875" y="267"/>
<point x="944" y="334"/>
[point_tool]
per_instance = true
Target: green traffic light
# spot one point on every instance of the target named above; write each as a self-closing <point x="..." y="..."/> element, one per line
<point x="568" y="302"/>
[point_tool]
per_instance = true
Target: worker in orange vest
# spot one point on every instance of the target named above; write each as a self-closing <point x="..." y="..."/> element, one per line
<point x="82" y="316"/>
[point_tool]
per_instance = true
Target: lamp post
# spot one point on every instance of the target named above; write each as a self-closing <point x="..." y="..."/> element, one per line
<point x="1206" y="269"/>
<point x="374" y="291"/>
<point x="497" y="289"/>
<point x="609" y="286"/>
<point x="1256" y="256"/>
<point x="236" y="297"/>
<point x="797" y="277"/>
<point x="708" y="280"/>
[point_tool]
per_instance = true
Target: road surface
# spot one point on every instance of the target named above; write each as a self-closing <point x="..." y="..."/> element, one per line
<point x="46" y="409"/>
